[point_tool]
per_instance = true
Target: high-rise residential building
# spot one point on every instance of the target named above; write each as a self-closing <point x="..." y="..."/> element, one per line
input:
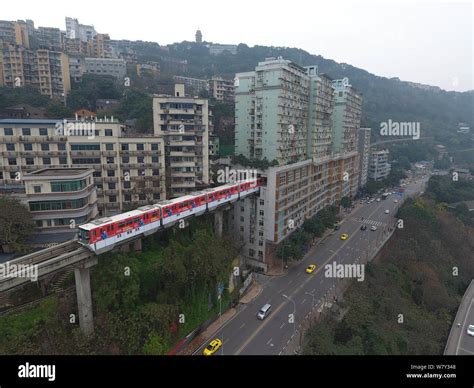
<point x="364" y="153"/>
<point x="60" y="198"/>
<point x="129" y="168"/>
<point x="185" y="124"/>
<point x="46" y="70"/>
<point x="49" y="38"/>
<point x="379" y="167"/>
<point x="222" y="89"/>
<point x="17" y="33"/>
<point x="75" y="30"/>
<point x="346" y="116"/>
<point x="321" y="106"/>
<point x="101" y="46"/>
<point x="53" y="74"/>
<point x="289" y="113"/>
<point x="271" y="112"/>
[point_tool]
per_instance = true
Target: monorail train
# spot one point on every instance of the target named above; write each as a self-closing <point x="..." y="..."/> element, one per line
<point x="105" y="233"/>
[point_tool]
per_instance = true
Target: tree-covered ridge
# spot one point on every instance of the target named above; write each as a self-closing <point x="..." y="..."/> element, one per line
<point x="421" y="273"/>
<point x="438" y="111"/>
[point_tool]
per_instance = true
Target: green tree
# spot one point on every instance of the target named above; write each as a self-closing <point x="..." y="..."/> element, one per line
<point x="16" y="225"/>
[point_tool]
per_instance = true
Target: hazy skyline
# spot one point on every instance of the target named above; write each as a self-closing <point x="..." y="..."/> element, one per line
<point x="426" y="42"/>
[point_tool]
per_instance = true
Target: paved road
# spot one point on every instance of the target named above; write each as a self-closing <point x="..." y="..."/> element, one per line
<point x="296" y="292"/>
<point x="459" y="342"/>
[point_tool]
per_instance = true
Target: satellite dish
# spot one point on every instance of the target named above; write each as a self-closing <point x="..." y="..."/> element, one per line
<point x="345" y="81"/>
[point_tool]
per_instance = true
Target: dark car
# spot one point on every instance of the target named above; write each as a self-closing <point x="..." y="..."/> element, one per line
<point x="363" y="227"/>
<point x="337" y="227"/>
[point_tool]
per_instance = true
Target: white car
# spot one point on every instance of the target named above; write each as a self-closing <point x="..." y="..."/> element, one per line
<point x="395" y="201"/>
<point x="378" y="199"/>
<point x="470" y="330"/>
<point x="373" y="228"/>
<point x="387" y="211"/>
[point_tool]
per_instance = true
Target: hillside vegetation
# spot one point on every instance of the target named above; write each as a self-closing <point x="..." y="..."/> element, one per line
<point x="421" y="273"/>
<point x="143" y="302"/>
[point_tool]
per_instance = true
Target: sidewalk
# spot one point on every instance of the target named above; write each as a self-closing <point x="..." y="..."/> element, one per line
<point x="253" y="292"/>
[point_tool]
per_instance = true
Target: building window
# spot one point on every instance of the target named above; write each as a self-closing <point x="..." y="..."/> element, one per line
<point x="43" y="131"/>
<point x="8" y="131"/>
<point x="44" y="147"/>
<point x="124" y="147"/>
<point x="108" y="132"/>
<point x="28" y="147"/>
<point x="29" y="161"/>
<point x="140" y="159"/>
<point x="62" y="147"/>
<point x="112" y="198"/>
<point x="62" y="160"/>
<point x="37" y="189"/>
<point x="261" y="212"/>
<point x="156" y="196"/>
<point x="125" y="159"/>
<point x="127" y="185"/>
<point x="97" y="174"/>
<point x="39" y="223"/>
<point x="110" y="173"/>
<point x="127" y="197"/>
<point x="154" y="147"/>
<point x="242" y="219"/>
<point x="156" y="172"/>
<point x="12" y="161"/>
<point x="140" y="147"/>
<point x="10" y="147"/>
<point x="47" y="161"/>
<point x="26" y="131"/>
<point x="109" y="146"/>
<point x="262" y="202"/>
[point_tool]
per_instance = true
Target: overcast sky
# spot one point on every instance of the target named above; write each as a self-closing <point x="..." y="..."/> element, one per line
<point x="430" y="42"/>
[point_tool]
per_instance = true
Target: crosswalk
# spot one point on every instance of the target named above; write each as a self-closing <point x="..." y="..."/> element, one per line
<point x="369" y="221"/>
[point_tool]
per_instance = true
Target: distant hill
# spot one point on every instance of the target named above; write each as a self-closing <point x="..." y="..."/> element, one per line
<point x="437" y="110"/>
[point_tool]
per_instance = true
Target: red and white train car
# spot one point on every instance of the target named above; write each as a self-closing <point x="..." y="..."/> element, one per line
<point x="105" y="233"/>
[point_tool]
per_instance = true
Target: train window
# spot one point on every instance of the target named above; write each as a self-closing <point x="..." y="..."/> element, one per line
<point x="121" y="225"/>
<point x="95" y="233"/>
<point x="155" y="214"/>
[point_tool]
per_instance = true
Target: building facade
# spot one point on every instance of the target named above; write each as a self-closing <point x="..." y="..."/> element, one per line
<point x="185" y="125"/>
<point x="379" y="167"/>
<point x="222" y="89"/>
<point x="60" y="199"/>
<point x="129" y="169"/>
<point x="271" y="112"/>
<point x="364" y="154"/>
<point x="46" y="70"/>
<point x="115" y="67"/>
<point x="346" y="116"/>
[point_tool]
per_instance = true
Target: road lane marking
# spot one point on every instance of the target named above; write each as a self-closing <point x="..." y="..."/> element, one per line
<point x="283" y="324"/>
<point x="241" y="326"/>
<point x="467" y="351"/>
<point x="291" y="281"/>
<point x="304" y="300"/>
<point x="464" y="324"/>
<point x="270" y="340"/>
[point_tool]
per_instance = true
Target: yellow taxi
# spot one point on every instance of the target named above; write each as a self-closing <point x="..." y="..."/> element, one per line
<point x="344" y="236"/>
<point x="310" y="268"/>
<point x="213" y="347"/>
